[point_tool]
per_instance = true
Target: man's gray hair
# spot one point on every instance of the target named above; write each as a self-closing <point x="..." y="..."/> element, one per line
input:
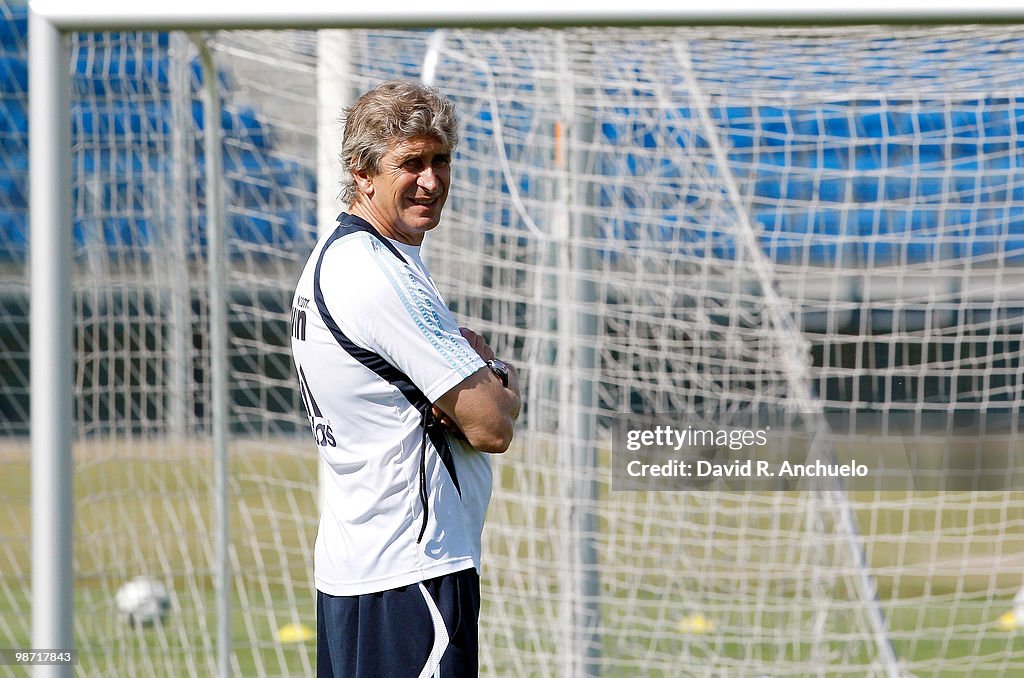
<point x="392" y="111"/>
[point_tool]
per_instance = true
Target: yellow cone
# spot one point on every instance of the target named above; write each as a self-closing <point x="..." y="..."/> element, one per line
<point x="1008" y="621"/>
<point x="695" y="623"/>
<point x="294" y="633"/>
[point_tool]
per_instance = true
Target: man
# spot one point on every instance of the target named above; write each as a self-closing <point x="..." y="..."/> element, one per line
<point x="404" y="406"/>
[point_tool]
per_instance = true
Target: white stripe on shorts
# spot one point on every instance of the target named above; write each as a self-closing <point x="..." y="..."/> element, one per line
<point x="441" y="638"/>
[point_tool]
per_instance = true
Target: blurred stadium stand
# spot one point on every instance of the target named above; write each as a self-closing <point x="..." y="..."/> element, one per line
<point x="121" y="101"/>
<point x="873" y="195"/>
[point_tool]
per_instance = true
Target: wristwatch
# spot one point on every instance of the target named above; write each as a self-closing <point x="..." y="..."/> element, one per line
<point x="500" y="370"/>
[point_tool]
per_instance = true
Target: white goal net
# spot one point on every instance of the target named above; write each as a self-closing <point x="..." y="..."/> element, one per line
<point x="788" y="224"/>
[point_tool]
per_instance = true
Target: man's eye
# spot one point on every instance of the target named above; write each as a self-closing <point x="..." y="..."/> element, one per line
<point x="442" y="161"/>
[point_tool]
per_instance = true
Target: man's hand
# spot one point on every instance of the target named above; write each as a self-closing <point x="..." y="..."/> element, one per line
<point x="487" y="353"/>
<point x="477" y="342"/>
<point x="446" y="421"/>
<point x="480" y="408"/>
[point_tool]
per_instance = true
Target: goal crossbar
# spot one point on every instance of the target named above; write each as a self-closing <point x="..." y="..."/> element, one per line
<point x="200" y="15"/>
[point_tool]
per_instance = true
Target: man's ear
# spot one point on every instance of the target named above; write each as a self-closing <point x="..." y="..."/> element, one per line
<point x="364" y="181"/>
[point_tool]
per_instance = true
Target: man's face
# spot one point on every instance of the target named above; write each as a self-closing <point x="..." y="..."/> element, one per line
<point x="404" y="199"/>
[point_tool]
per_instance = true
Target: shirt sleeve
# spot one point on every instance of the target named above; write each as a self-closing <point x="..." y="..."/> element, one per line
<point x="389" y="307"/>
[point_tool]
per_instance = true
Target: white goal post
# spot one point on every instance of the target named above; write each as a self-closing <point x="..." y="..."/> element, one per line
<point x="780" y="221"/>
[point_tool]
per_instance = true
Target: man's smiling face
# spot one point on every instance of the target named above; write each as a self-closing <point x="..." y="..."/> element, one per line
<point x="405" y="197"/>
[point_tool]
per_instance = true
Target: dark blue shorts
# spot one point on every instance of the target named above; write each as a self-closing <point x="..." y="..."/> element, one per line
<point x="417" y="631"/>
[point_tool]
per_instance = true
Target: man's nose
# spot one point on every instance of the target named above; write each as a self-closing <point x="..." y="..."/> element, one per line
<point x="428" y="179"/>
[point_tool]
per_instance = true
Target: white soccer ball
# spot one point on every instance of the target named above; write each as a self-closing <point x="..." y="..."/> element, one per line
<point x="144" y="601"/>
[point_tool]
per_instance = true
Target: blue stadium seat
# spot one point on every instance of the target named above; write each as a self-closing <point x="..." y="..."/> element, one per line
<point x="1014" y="242"/>
<point x="781" y="159"/>
<point x="804" y="236"/>
<point x="994" y="233"/>
<point x="963" y="121"/>
<point x="113" y="233"/>
<point x="929" y="122"/>
<point x="256" y="180"/>
<point x="13" y="201"/>
<point x="13" y="121"/>
<point x="902" y="122"/>
<point x="925" y="188"/>
<point x="768" y="184"/>
<point x="242" y="123"/>
<point x="902" y="236"/>
<point x="832" y="188"/>
<point x="611" y="131"/>
<point x="13" y="233"/>
<point x="118" y="118"/>
<point x="979" y="241"/>
<point x="996" y="120"/>
<point x="1015" y="187"/>
<point x="14" y="29"/>
<point x="774" y="184"/>
<point x="1016" y="122"/>
<point x="740" y="123"/>
<point x="867" y="156"/>
<point x="130" y="68"/>
<point x="774" y="126"/>
<point x="15" y="160"/>
<point x="13" y="73"/>
<point x="259" y="234"/>
<point x="929" y="154"/>
<point x="280" y="229"/>
<point x="120" y="71"/>
<point x="866" y="188"/>
<point x="832" y="158"/>
<point x="114" y="196"/>
<point x="13" y="187"/>
<point x="126" y="161"/>
<point x="839" y="125"/>
<point x="807" y="124"/>
<point x="163" y="40"/>
<point x="915" y="189"/>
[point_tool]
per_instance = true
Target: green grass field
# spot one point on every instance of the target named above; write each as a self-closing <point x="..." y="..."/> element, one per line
<point x="154" y="515"/>
<point x="946" y="565"/>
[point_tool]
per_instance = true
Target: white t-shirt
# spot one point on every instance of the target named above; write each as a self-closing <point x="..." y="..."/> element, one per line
<point x="372" y="339"/>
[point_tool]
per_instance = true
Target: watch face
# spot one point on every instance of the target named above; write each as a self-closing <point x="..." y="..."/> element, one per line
<point x="500" y="370"/>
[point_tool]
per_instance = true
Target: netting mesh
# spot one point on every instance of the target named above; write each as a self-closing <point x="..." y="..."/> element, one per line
<point x="661" y="221"/>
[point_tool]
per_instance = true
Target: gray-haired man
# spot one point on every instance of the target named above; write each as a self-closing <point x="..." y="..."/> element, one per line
<point x="404" y="406"/>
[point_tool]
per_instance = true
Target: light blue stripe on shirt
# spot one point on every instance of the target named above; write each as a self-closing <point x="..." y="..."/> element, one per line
<point x="423" y="314"/>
